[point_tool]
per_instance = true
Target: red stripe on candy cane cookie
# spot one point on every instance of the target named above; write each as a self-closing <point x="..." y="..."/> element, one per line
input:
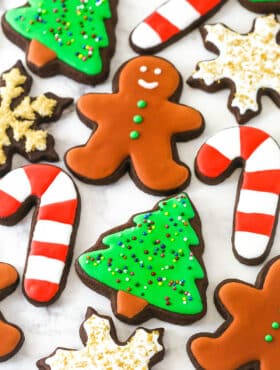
<point x="204" y="6"/>
<point x="258" y="198"/>
<point x="169" y="20"/>
<point x="54" y="228"/>
<point x="163" y="28"/>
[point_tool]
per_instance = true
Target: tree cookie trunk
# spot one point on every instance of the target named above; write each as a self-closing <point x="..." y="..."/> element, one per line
<point x="39" y="54"/>
<point x="129" y="305"/>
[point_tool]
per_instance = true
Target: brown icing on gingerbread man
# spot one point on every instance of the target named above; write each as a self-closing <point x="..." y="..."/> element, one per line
<point x="136" y="128"/>
<point x="250" y="337"/>
<point x="11" y="337"/>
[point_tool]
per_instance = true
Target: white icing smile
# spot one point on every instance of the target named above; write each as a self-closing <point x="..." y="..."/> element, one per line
<point x="148" y="85"/>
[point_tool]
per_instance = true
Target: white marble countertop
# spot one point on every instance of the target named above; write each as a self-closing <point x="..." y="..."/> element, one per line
<point x="109" y="206"/>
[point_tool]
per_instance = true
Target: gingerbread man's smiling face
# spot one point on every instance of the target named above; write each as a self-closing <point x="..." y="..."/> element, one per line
<point x="149" y="75"/>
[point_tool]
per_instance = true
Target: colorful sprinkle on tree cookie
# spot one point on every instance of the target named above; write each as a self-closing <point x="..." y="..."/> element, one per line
<point x="103" y="350"/>
<point x="262" y="6"/>
<point x="152" y="265"/>
<point x="250" y="337"/>
<point x="248" y="64"/>
<point x="171" y="21"/>
<point x="71" y="37"/>
<point x="21" y="116"/>
<point x="136" y="129"/>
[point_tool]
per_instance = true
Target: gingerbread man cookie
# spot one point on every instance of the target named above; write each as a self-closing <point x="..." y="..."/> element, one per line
<point x="250" y="337"/>
<point x="11" y="337"/>
<point x="136" y="128"/>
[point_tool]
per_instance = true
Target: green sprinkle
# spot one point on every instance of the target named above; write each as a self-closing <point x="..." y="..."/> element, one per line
<point x="275" y="325"/>
<point x="138" y="119"/>
<point x="268" y="338"/>
<point x="142" y="104"/>
<point x="134" y="135"/>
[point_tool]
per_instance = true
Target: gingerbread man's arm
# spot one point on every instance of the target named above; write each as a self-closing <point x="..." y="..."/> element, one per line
<point x="234" y="294"/>
<point x="91" y="107"/>
<point x="272" y="279"/>
<point x="185" y="119"/>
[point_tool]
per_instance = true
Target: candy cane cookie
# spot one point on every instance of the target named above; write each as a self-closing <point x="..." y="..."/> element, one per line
<point x="257" y="203"/>
<point x="53" y="229"/>
<point x="169" y="22"/>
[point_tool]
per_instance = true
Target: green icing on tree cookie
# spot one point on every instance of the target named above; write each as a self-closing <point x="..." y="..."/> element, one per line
<point x="74" y="29"/>
<point x="153" y="259"/>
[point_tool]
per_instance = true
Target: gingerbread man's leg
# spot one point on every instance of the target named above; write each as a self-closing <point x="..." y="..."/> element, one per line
<point x="206" y="350"/>
<point x="156" y="168"/>
<point x="99" y="159"/>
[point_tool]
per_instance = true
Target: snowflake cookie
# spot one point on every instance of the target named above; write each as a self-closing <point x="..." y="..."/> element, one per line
<point x="104" y="351"/>
<point x="248" y="64"/>
<point x="20" y="116"/>
<point x="250" y="337"/>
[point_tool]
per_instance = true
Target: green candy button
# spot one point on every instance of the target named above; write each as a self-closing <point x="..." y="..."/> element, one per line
<point x="142" y="104"/>
<point x="275" y="325"/>
<point x="268" y="338"/>
<point x="138" y="118"/>
<point x="134" y="135"/>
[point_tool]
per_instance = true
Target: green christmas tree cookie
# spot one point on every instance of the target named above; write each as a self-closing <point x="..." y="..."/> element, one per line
<point x="152" y="265"/>
<point x="72" y="37"/>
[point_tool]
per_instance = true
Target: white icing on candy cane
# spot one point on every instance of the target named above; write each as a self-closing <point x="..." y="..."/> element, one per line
<point x="258" y="201"/>
<point x="52" y="237"/>
<point x="170" y="19"/>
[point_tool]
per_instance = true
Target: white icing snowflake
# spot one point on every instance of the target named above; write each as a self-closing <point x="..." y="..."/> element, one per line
<point x="251" y="62"/>
<point x="101" y="352"/>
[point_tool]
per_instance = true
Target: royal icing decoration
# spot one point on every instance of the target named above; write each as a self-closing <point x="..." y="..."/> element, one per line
<point x="78" y="33"/>
<point x="11" y="337"/>
<point x="249" y="64"/>
<point x="152" y="264"/>
<point x="104" y="351"/>
<point x="262" y="6"/>
<point x="250" y="338"/>
<point x="8" y="279"/>
<point x="53" y="230"/>
<point x="137" y="128"/>
<point x="20" y="116"/>
<point x="172" y="19"/>
<point x="258" y="196"/>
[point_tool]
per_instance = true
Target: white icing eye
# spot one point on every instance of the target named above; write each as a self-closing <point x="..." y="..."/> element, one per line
<point x="157" y="71"/>
<point x="143" y="69"/>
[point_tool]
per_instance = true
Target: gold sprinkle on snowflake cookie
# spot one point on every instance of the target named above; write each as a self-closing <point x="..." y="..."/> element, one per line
<point x="249" y="64"/>
<point x="103" y="351"/>
<point x="20" y="117"/>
